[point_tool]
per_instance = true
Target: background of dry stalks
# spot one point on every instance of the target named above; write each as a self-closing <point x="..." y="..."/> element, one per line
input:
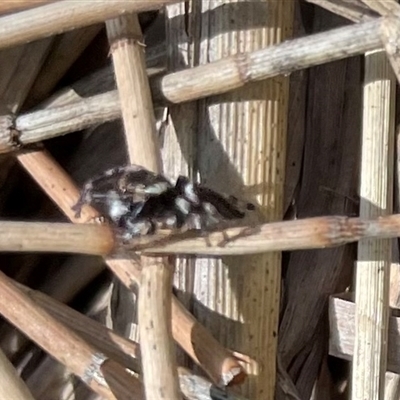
<point x="289" y="104"/>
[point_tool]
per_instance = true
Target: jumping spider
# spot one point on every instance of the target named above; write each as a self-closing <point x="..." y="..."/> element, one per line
<point x="139" y="202"/>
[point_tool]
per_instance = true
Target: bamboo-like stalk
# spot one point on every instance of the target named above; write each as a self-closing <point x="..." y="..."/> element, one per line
<point x="240" y="141"/>
<point x="127" y="49"/>
<point x="11" y="385"/>
<point x="374" y="256"/>
<point x="124" y="351"/>
<point x="8" y="7"/>
<point x="385" y="7"/>
<point x="159" y="367"/>
<point x="61" y="16"/>
<point x="214" y="78"/>
<point x="108" y="379"/>
<point x="214" y="359"/>
<point x="390" y="35"/>
<point x="55" y="237"/>
<point x="103" y="80"/>
<point x="354" y="11"/>
<point x="56" y="183"/>
<point x="302" y="234"/>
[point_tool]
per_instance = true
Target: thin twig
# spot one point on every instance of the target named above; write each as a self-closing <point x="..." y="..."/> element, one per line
<point x="198" y="343"/>
<point x="159" y="367"/>
<point x="217" y="77"/>
<point x="61" y="16"/>
<point x="104" y="376"/>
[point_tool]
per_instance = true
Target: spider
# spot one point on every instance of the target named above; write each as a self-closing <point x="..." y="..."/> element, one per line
<point x="139" y="202"/>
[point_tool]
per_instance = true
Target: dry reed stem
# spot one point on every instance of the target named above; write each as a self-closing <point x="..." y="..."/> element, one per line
<point x="308" y="233"/>
<point x="25" y="62"/>
<point x="11" y="384"/>
<point x="238" y="143"/>
<point x="127" y="50"/>
<point x="195" y="387"/>
<point x="383" y="7"/>
<point x="56" y="237"/>
<point x="374" y="256"/>
<point x="197" y="342"/>
<point x="342" y="312"/>
<point x="390" y="39"/>
<point x="61" y="16"/>
<point x="56" y="183"/>
<point x="223" y="368"/>
<point x="213" y="78"/>
<point x="353" y="11"/>
<point x="64" y="53"/>
<point x="65" y="346"/>
<point x="292" y="55"/>
<point x="8" y="7"/>
<point x="220" y="365"/>
<point x="159" y="367"/>
<point x="302" y="234"/>
<point x="103" y="80"/>
<point x="124" y="351"/>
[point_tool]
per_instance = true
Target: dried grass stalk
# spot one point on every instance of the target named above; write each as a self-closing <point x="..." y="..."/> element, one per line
<point x="127" y="49"/>
<point x="103" y="80"/>
<point x="56" y="183"/>
<point x="353" y="10"/>
<point x="19" y="73"/>
<point x="64" y="53"/>
<point x="385" y="7"/>
<point x="214" y="78"/>
<point x="233" y="72"/>
<point x="191" y="336"/>
<point x="55" y="237"/>
<point x="158" y="352"/>
<point x="342" y="331"/>
<point x="8" y="7"/>
<point x="61" y="16"/>
<point x="11" y="384"/>
<point x="308" y="233"/>
<point x="124" y="351"/>
<point x="374" y="256"/>
<point x="107" y="378"/>
<point x="238" y="141"/>
<point x="390" y="38"/>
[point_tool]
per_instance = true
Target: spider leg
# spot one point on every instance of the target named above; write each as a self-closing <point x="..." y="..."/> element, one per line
<point x="84" y="198"/>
